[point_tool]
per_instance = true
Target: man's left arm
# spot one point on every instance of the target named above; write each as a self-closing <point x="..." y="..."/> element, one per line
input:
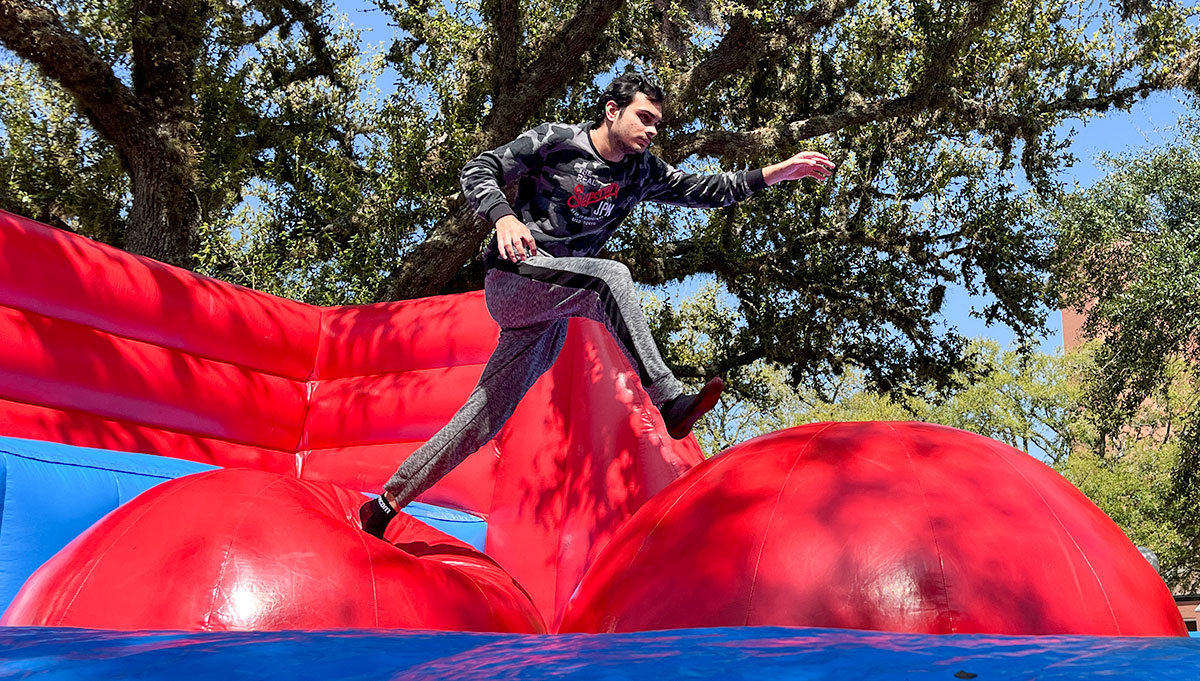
<point x="668" y="184"/>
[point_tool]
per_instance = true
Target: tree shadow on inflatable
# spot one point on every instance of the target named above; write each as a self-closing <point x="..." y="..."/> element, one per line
<point x="903" y="527"/>
<point x="596" y="520"/>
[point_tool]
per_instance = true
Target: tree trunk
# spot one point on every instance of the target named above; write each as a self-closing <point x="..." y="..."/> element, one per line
<point x="432" y="266"/>
<point x="165" y="216"/>
<point x="149" y="124"/>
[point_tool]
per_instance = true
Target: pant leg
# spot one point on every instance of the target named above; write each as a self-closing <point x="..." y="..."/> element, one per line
<point x="601" y="290"/>
<point x="521" y="356"/>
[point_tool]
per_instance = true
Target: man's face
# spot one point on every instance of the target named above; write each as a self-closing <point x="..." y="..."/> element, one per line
<point x="634" y="126"/>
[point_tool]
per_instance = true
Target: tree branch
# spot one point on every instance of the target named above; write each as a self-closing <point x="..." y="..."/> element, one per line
<point x="721" y="367"/>
<point x="727" y="144"/>
<point x="1121" y="97"/>
<point x="35" y="33"/>
<point x="1187" y="70"/>
<point x="988" y="117"/>
<point x="558" y="62"/>
<point x="434" y="261"/>
<point x="455" y="239"/>
<point x="732" y="145"/>
<point x="742" y="45"/>
<point x="667" y="263"/>
<point x="282" y="13"/>
<point x="505" y="16"/>
<point x="165" y="47"/>
<point x="730" y="55"/>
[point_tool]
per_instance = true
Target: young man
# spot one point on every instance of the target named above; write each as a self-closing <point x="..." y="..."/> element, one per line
<point x="575" y="184"/>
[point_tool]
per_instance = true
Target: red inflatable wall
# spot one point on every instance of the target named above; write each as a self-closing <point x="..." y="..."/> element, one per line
<point x="101" y="348"/>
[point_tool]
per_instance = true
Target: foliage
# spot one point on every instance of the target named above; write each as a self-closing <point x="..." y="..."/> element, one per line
<point x="263" y="120"/>
<point x="1144" y="475"/>
<point x="929" y="108"/>
<point x="309" y="183"/>
<point x="1138" y="493"/>
<point x="1027" y="400"/>
<point x="53" y="168"/>
<point x="1129" y="257"/>
<point x="312" y="219"/>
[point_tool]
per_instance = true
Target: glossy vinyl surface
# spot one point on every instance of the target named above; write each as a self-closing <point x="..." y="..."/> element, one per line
<point x="53" y="275"/>
<point x="903" y="527"/>
<point x="239" y="549"/>
<point x="751" y="653"/>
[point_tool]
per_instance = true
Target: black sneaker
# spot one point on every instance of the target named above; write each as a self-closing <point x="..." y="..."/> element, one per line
<point x="681" y="413"/>
<point x="375" y="516"/>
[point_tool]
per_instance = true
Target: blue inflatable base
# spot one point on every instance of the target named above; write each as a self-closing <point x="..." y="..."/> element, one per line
<point x="759" y="653"/>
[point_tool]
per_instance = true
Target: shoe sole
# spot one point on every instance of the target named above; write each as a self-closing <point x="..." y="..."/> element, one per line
<point x="705" y="401"/>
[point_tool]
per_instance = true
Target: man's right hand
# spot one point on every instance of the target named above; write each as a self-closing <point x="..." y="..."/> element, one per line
<point x="514" y="239"/>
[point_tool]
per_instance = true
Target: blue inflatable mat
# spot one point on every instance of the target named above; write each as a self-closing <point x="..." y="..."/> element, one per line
<point x="757" y="653"/>
<point x="50" y="492"/>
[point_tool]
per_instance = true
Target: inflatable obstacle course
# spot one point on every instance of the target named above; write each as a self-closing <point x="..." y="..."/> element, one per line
<point x="888" y="526"/>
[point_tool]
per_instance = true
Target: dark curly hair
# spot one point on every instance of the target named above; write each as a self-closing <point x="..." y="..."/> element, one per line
<point x="622" y="90"/>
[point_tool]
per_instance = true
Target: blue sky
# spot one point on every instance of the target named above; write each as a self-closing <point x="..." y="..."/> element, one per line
<point x="1149" y="123"/>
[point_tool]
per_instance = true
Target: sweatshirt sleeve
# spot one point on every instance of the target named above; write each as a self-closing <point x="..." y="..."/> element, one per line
<point x="484" y="177"/>
<point x="668" y="184"/>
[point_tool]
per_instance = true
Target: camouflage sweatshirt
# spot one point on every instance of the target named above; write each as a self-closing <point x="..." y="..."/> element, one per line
<point x="572" y="199"/>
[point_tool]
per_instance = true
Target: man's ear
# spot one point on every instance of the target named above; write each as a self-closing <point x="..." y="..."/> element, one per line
<point x="611" y="110"/>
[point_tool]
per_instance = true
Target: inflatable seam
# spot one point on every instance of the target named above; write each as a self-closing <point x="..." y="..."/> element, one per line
<point x="4" y="494"/>
<point x="568" y="498"/>
<point x="937" y="545"/>
<point x="1063" y="528"/>
<point x="662" y="515"/>
<point x="96" y="561"/>
<point x="362" y="540"/>
<point x="161" y="346"/>
<point x="149" y="426"/>
<point x="71" y="464"/>
<point x="771" y="520"/>
<point x="399" y="372"/>
<point x="301" y="449"/>
<point x="380" y="443"/>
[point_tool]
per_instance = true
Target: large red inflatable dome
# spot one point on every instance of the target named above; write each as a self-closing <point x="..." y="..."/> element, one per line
<point x="241" y="549"/>
<point x="904" y="527"/>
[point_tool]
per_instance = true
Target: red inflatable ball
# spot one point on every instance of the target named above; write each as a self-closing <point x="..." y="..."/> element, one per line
<point x="903" y="527"/>
<point x="250" y="550"/>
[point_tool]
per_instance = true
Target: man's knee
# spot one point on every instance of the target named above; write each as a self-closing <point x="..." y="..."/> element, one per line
<point x="614" y="273"/>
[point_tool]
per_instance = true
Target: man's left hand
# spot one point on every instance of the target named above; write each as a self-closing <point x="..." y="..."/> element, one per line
<point x="812" y="164"/>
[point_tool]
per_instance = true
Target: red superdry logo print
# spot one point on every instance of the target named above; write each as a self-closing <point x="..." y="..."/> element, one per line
<point x="582" y="197"/>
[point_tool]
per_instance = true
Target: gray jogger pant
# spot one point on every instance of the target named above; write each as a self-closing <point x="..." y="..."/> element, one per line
<point x="532" y="301"/>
